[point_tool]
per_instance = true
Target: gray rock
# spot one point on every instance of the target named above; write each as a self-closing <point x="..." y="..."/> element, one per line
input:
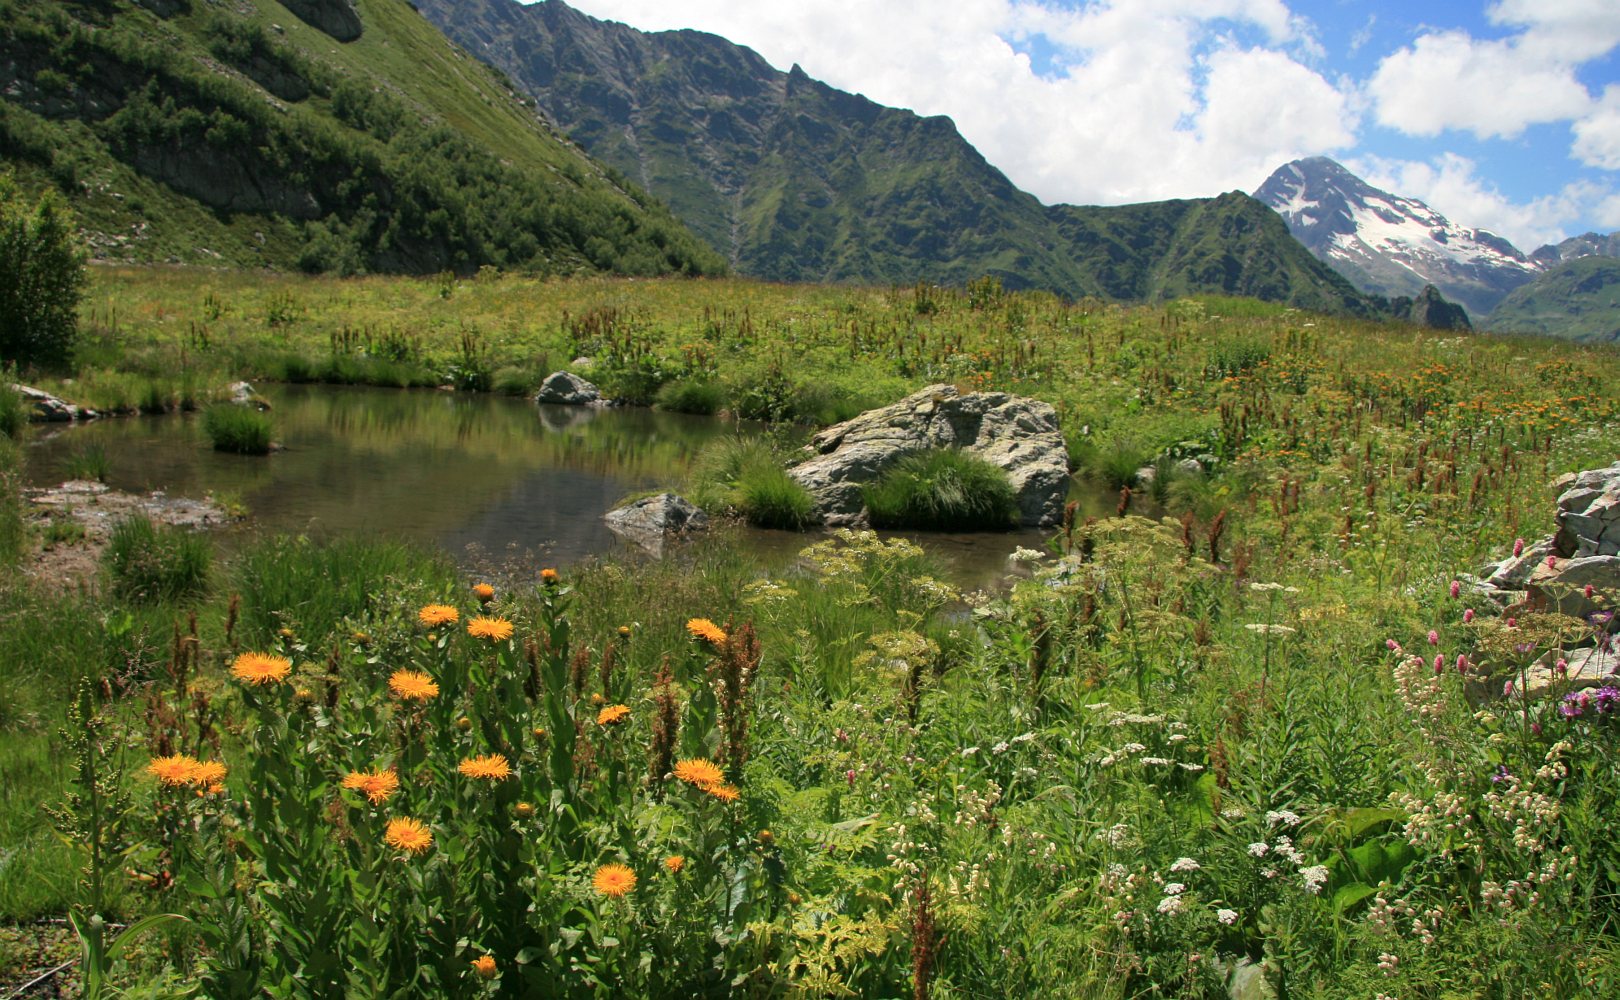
<point x="1514" y="572"/>
<point x="1562" y="586"/>
<point x="1145" y="476"/>
<point x="1190" y="467"/>
<point x="243" y="394"/>
<point x="651" y="521"/>
<point x="567" y="389"/>
<point x="46" y="408"/>
<point x="337" y="18"/>
<point x="1586" y="668"/>
<point x="1247" y="981"/>
<point x="1017" y="434"/>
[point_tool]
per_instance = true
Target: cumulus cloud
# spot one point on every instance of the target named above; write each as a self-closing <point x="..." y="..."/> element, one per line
<point x="1160" y="99"/>
<point x="1597" y="136"/>
<point x="1450" y="184"/>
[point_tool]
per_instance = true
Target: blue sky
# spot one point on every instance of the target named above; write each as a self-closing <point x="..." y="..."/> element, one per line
<point x="1502" y="114"/>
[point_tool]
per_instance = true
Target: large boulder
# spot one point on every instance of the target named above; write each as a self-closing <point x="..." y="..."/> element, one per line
<point x="46" y="408"/>
<point x="651" y="521"/>
<point x="1585" y="551"/>
<point x="337" y="18"/>
<point x="1017" y="434"/>
<point x="567" y="389"/>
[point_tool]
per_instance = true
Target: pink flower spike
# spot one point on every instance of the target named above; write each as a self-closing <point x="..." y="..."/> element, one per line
<point x="1512" y="622"/>
<point x="1535" y="729"/>
<point x="1468" y="616"/>
<point x="1462" y="664"/>
<point x="1587" y="592"/>
<point x="1518" y="547"/>
<point x="1552" y="562"/>
<point x="1392" y="645"/>
<point x="1562" y="666"/>
<point x="1456" y="588"/>
<point x="1507" y="689"/>
<point x="1439" y="663"/>
<point x="1434" y="637"/>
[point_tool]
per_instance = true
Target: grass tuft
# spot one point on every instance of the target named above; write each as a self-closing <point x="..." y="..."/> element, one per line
<point x="149" y="562"/>
<point x="942" y="490"/>
<point x="238" y="429"/>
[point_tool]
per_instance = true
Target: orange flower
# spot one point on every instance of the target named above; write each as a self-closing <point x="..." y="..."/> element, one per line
<point x="378" y="786"/>
<point x="725" y="793"/>
<point x="494" y="629"/>
<point x="484" y="965"/>
<point x="493" y="767"/>
<point x="435" y="615"/>
<point x="209" y="773"/>
<point x="485" y="593"/>
<point x="612" y="715"/>
<point x="702" y="628"/>
<point x="548" y="576"/>
<point x="173" y="770"/>
<point x="410" y="685"/>
<point x="261" y="668"/>
<point x="614" y="880"/>
<point x="409" y="835"/>
<point x="674" y="863"/>
<point x="699" y="772"/>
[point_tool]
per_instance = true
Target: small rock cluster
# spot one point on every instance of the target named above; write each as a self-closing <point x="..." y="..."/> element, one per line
<point x="46" y="408"/>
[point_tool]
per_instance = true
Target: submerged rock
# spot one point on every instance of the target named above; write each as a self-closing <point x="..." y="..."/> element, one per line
<point x="1018" y="434"/>
<point x="651" y="521"/>
<point x="567" y="389"/>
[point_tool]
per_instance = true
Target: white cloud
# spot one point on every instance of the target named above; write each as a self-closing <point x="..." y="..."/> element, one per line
<point x="1450" y="185"/>
<point x="1597" y="137"/>
<point x="1154" y="98"/>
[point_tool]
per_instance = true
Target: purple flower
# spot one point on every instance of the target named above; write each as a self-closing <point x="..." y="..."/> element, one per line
<point x="1574" y="705"/>
<point x="1607" y="700"/>
<point x="1501" y="774"/>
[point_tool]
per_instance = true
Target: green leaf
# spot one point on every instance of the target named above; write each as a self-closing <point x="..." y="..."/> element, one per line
<point x="145" y="923"/>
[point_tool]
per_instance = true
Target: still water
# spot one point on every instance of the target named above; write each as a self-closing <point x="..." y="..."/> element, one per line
<point x="488" y="478"/>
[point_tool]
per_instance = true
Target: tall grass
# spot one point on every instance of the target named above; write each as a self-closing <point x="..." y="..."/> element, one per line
<point x="942" y="490"/>
<point x="242" y="430"/>
<point x="89" y="462"/>
<point x="13" y="414"/>
<point x="13" y="531"/>
<point x="745" y="475"/>
<point x="147" y="562"/>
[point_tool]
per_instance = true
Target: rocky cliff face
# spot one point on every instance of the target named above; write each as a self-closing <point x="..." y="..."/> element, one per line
<point x="1389" y="245"/>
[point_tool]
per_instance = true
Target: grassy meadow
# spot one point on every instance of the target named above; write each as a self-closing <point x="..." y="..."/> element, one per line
<point x="1262" y="736"/>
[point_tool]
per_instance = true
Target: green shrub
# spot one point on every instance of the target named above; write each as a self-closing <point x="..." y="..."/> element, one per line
<point x="770" y="498"/>
<point x="239" y="429"/>
<point x="515" y="380"/>
<point x="41" y="278"/>
<point x="148" y="562"/>
<point x="942" y="490"/>
<point x="701" y="396"/>
<point x="1115" y="460"/>
<point x="13" y="415"/>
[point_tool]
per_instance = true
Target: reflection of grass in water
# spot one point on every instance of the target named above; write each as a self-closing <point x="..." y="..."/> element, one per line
<point x="88" y="461"/>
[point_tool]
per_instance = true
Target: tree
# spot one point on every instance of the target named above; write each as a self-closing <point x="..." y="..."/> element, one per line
<point x="41" y="278"/>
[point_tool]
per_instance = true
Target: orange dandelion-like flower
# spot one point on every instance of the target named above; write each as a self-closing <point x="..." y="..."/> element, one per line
<point x="174" y="770"/>
<point x="548" y="576"/>
<point x="209" y="773"/>
<point x="725" y="793"/>
<point x="702" y="628"/>
<point x="411" y="685"/>
<point x="674" y="863"/>
<point x="612" y="715"/>
<point x="494" y="629"/>
<point x="484" y="965"/>
<point x="699" y="772"/>
<point x="614" y="880"/>
<point x="378" y="786"/>
<point x="435" y="615"/>
<point x="492" y="767"/>
<point x="485" y="593"/>
<point x="261" y="668"/>
<point x="409" y="835"/>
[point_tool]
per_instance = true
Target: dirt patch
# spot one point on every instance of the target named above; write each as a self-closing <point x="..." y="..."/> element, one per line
<point x="33" y="956"/>
<point x="76" y="519"/>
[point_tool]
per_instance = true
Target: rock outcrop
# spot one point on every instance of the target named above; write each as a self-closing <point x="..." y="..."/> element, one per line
<point x="1017" y="434"/>
<point x="1581" y="574"/>
<point x="46" y="408"/>
<point x="567" y="389"/>
<point x="651" y="521"/>
<point x="337" y="18"/>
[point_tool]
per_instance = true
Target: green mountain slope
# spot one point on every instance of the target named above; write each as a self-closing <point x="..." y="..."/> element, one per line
<point x="1579" y="299"/>
<point x="246" y="134"/>
<point x="794" y="180"/>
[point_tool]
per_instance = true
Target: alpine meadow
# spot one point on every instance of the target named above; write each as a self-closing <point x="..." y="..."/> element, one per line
<point x="1295" y="676"/>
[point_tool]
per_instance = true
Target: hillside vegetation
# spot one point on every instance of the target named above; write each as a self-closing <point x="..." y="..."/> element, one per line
<point x="239" y="134"/>
<point x="1578" y="299"/>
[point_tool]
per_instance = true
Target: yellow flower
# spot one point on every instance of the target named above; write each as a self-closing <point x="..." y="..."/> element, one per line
<point x="378" y="786"/>
<point x="699" y="772"/>
<point x="523" y="810"/>
<point x="612" y="715"/>
<point x="493" y="766"/>
<point x="411" y="685"/>
<point x="435" y="615"/>
<point x="485" y="593"/>
<point x="209" y="773"/>
<point x="614" y="879"/>
<point x="173" y="770"/>
<point x="674" y="863"/>
<point x="725" y="793"/>
<point x="261" y="668"/>
<point x="494" y="629"/>
<point x="702" y="628"/>
<point x="484" y="965"/>
<point x="410" y="835"/>
<point x="548" y="576"/>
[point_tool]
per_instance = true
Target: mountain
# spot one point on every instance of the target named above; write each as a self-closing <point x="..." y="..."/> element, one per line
<point x="1585" y="245"/>
<point x="793" y="180"/>
<point x="1390" y="245"/>
<point x="341" y="135"/>
<point x="1578" y="299"/>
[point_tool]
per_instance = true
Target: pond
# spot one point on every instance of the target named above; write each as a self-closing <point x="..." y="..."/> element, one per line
<point x="488" y="478"/>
